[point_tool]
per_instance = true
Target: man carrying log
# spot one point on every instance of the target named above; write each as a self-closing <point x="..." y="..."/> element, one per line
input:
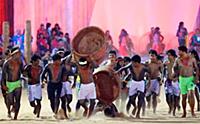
<point x="87" y="87"/>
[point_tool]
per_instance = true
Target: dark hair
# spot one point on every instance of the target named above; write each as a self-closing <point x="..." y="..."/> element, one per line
<point x="172" y="52"/>
<point x="41" y="25"/>
<point x="67" y="33"/>
<point x="35" y="57"/>
<point x="56" y="57"/>
<point x="196" y="56"/>
<point x="7" y="52"/>
<point x="183" y="49"/>
<point x="113" y="52"/>
<point x="48" y="25"/>
<point x="136" y="58"/>
<point x="153" y="52"/>
<point x="159" y="57"/>
<point x="157" y="28"/>
<point x="127" y="59"/>
<point x="67" y="53"/>
<point x="120" y="58"/>
<point x="57" y="25"/>
<point x="9" y="47"/>
<point x="181" y="23"/>
<point x="14" y="49"/>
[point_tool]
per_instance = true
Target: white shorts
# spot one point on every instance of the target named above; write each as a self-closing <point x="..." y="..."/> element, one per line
<point x="66" y="89"/>
<point x="34" y="92"/>
<point x="173" y="89"/>
<point x="135" y="86"/>
<point x="154" y="87"/>
<point x="87" y="91"/>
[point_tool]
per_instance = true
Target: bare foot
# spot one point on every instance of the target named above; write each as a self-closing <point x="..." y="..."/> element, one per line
<point x="15" y="118"/>
<point x="137" y="116"/>
<point x="34" y="111"/>
<point x="85" y="113"/>
<point x="55" y="116"/>
<point x="184" y="115"/>
<point x="9" y="116"/>
<point x="69" y="108"/>
<point x="13" y="109"/>
<point x="154" y="110"/>
<point x="194" y="115"/>
<point x="174" y="113"/>
<point x="134" y="110"/>
<point x="198" y="108"/>
<point x="37" y="110"/>
<point x="170" y="110"/>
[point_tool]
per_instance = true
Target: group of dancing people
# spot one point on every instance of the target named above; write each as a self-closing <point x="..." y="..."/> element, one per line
<point x="139" y="82"/>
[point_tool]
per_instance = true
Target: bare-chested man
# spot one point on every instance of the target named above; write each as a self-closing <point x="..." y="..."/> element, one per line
<point x="12" y="70"/>
<point x="137" y="84"/>
<point x="33" y="72"/>
<point x="172" y="89"/>
<point x="7" y="56"/>
<point x="87" y="88"/>
<point x="194" y="54"/>
<point x="55" y="72"/>
<point x="68" y="80"/>
<point x="111" y="110"/>
<point x="184" y="67"/>
<point x="155" y="69"/>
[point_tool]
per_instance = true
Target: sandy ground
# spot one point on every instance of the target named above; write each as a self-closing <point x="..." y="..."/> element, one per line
<point x="26" y="115"/>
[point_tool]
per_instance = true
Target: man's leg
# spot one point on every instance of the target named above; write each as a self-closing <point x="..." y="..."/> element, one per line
<point x="143" y="107"/>
<point x="91" y="108"/>
<point x="197" y="97"/>
<point x="131" y="102"/>
<point x="191" y="101"/>
<point x="38" y="107"/>
<point x="17" y="95"/>
<point x="32" y="103"/>
<point x="169" y="101"/>
<point x="57" y="97"/>
<point x="128" y="105"/>
<point x="4" y="96"/>
<point x="140" y="103"/>
<point x="184" y="98"/>
<point x="82" y="103"/>
<point x="176" y="103"/>
<point x="10" y="102"/>
<point x="63" y="105"/>
<point x="179" y="102"/>
<point x="69" y="100"/>
<point x="154" y="102"/>
<point x="51" y="96"/>
<point x="78" y="105"/>
<point x="148" y="99"/>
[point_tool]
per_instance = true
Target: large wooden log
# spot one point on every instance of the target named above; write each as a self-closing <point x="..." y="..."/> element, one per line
<point x="28" y="41"/>
<point x="107" y="84"/>
<point x="90" y="42"/>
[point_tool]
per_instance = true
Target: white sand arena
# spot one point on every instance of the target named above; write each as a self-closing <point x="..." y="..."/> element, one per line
<point x="26" y="115"/>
